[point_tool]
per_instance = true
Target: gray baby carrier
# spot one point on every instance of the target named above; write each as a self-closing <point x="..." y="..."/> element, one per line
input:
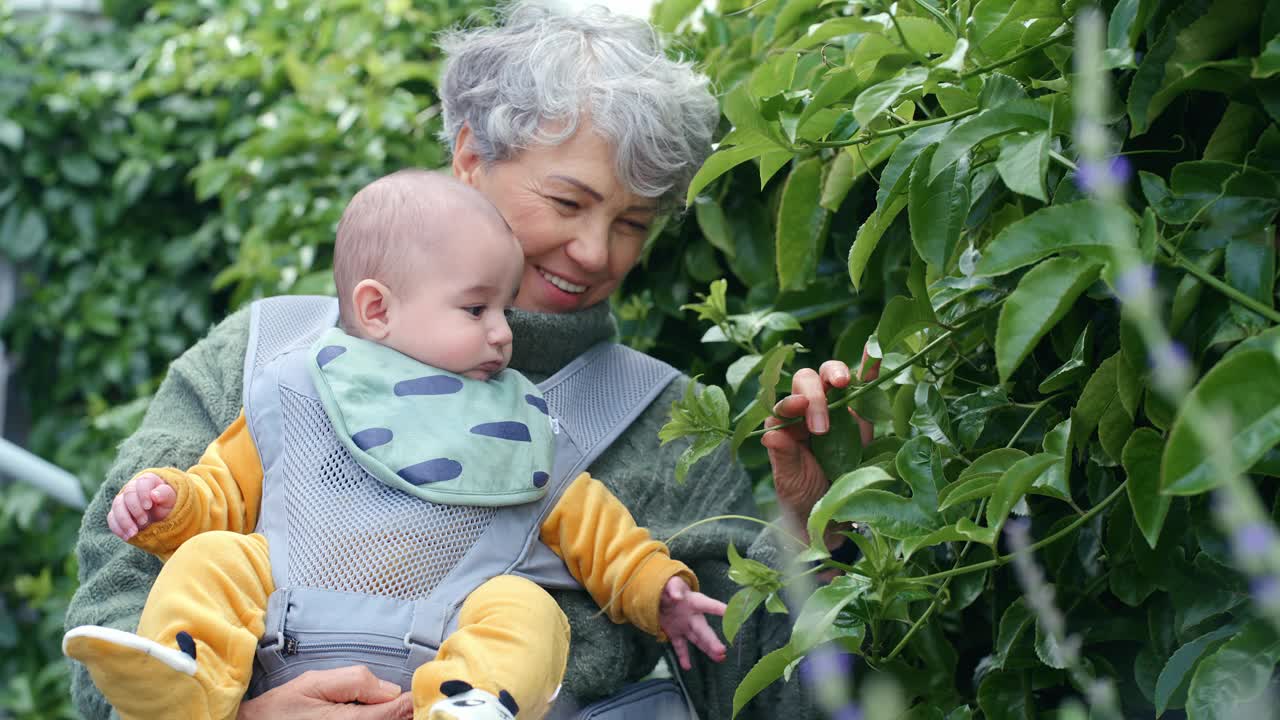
<point x="368" y="575"/>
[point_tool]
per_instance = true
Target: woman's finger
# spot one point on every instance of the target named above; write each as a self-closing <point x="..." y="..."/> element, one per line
<point x="834" y="373"/>
<point x="349" y="684"/>
<point x="809" y="384"/>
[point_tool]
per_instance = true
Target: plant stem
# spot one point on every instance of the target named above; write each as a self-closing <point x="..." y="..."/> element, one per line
<point x="865" y="387"/>
<point x="1035" y="409"/>
<point x="876" y="135"/>
<point x="1064" y="160"/>
<point x="1208" y="279"/>
<point x="1043" y="543"/>
<point x="902" y="644"/>
<point x="1017" y="56"/>
<point x="715" y="518"/>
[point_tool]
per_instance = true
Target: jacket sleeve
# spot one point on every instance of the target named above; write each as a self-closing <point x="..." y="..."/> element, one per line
<point x="617" y="561"/>
<point x="199" y="397"/>
<point x="221" y="492"/>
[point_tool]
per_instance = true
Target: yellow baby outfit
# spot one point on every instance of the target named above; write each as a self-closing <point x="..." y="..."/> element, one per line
<point x="511" y="637"/>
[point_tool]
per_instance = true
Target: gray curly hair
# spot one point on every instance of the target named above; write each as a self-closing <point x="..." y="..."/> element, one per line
<point x="539" y="74"/>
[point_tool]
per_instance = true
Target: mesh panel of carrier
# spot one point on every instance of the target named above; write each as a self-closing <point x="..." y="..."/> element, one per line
<point x="350" y="532"/>
<point x="278" y="322"/>
<point x="594" y="392"/>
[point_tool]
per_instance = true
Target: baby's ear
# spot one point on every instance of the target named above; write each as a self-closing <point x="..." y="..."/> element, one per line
<point x="371" y="306"/>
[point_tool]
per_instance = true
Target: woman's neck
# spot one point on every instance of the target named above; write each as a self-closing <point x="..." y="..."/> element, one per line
<point x="545" y="342"/>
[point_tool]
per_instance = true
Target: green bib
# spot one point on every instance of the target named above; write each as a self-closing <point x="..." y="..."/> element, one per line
<point x="443" y="437"/>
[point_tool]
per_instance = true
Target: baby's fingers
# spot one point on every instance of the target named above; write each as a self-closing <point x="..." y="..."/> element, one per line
<point x="705" y="638"/>
<point x="119" y="520"/>
<point x="682" y="652"/>
<point x="133" y="504"/>
<point x="704" y="604"/>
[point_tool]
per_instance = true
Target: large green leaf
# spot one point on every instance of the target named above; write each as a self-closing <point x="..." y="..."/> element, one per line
<point x="841" y="490"/>
<point x="1229" y="680"/>
<point x="893" y="181"/>
<point x="1141" y="460"/>
<point x="1014" y="116"/>
<point x="1087" y="226"/>
<point x="839" y="450"/>
<point x="880" y="97"/>
<point x="724" y="160"/>
<point x="768" y="669"/>
<point x="1042" y="298"/>
<point x="937" y="209"/>
<point x="802" y="225"/>
<point x="816" y="621"/>
<point x="1175" y="678"/>
<point x="901" y="318"/>
<point x="869" y="235"/>
<point x="1198" y="30"/>
<point x="1245" y="389"/>
<point x="1014" y="484"/>
<point x="1023" y="162"/>
<point x="888" y="514"/>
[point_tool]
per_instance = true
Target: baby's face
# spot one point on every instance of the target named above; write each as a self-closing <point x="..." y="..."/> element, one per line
<point x="454" y="315"/>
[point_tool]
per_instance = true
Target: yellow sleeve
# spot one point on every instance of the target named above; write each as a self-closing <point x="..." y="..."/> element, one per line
<point x="617" y="561"/>
<point x="221" y="492"/>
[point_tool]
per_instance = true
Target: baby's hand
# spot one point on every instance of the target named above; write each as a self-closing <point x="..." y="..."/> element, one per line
<point x="680" y="613"/>
<point x="144" y="500"/>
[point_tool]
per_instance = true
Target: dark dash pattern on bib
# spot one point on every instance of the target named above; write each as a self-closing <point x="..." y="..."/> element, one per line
<point x="432" y="471"/>
<point x="505" y="430"/>
<point x="372" y="437"/>
<point x="328" y="353"/>
<point x="429" y="385"/>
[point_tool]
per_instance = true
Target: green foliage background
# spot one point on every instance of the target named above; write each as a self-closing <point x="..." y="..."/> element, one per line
<point x="900" y="172"/>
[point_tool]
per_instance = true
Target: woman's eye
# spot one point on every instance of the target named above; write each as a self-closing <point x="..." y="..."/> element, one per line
<point x="566" y="203"/>
<point x="475" y="310"/>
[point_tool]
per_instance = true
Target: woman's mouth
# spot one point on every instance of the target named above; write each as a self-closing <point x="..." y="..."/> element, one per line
<point x="562" y="284"/>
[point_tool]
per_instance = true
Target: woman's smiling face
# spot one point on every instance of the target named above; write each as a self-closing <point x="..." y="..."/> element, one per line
<point x="581" y="229"/>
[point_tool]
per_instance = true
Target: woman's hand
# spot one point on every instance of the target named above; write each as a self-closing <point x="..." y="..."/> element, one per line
<point x="349" y="693"/>
<point x="797" y="476"/>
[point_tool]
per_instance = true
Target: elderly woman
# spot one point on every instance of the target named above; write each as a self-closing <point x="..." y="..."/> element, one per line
<point x="581" y="133"/>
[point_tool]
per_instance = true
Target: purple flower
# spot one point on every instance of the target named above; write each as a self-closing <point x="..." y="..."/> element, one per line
<point x="1266" y="591"/>
<point x="848" y="712"/>
<point x="1096" y="177"/>
<point x="1171" y="365"/>
<point x="1253" y="540"/>
<point x="1135" y="284"/>
<point x="823" y="665"/>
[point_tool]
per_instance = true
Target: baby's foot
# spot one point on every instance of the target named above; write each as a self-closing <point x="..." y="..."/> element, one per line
<point x="139" y="677"/>
<point x="463" y="702"/>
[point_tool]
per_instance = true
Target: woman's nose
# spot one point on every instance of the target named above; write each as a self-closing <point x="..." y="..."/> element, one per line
<point x="590" y="248"/>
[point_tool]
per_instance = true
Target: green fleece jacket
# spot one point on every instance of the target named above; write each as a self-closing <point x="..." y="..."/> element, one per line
<point x="202" y="395"/>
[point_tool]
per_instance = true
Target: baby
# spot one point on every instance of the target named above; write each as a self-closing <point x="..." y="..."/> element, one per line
<point x="415" y="385"/>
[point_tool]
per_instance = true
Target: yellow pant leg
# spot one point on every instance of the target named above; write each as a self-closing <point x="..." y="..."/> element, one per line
<point x="215" y="587"/>
<point x="511" y="636"/>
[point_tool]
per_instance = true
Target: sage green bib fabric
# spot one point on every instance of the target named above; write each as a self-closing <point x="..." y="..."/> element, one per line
<point x="443" y="437"/>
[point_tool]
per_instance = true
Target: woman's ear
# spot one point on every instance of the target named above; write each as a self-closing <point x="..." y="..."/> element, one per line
<point x="371" y="305"/>
<point x="467" y="164"/>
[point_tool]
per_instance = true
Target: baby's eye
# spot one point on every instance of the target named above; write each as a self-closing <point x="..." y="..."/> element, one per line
<point x="475" y="310"/>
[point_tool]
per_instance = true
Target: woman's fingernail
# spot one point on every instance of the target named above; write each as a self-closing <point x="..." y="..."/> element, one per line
<point x="819" y="424"/>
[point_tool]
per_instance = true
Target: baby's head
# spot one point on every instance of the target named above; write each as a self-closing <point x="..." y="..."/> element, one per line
<point x="427" y="266"/>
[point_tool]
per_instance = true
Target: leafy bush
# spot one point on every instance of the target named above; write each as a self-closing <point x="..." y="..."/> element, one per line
<point x="938" y="181"/>
<point x="153" y="178"/>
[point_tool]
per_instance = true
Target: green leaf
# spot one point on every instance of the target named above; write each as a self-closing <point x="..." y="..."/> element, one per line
<point x="724" y="160"/>
<point x="1014" y="116"/>
<point x="839" y="450"/>
<point x="26" y="236"/>
<point x="1042" y="298"/>
<point x="869" y="235"/>
<point x="1006" y="695"/>
<point x="1047" y="647"/>
<point x="1015" y="620"/>
<point x="878" y="98"/>
<point x="79" y="169"/>
<point x="714" y="225"/>
<point x="835" y="87"/>
<point x="965" y="530"/>
<point x="891" y="515"/>
<point x="739" y="608"/>
<point x="937" y="209"/>
<point x="1114" y="429"/>
<point x="1122" y="30"/>
<point x="850" y="165"/>
<point x="1069" y="372"/>
<point x="816" y="621"/>
<point x="1251" y="269"/>
<point x="1266" y="64"/>
<point x="1238" y="673"/>
<point x="931" y="416"/>
<point x="1141" y="460"/>
<point x="11" y="134"/>
<point x="1245" y="387"/>
<point x="1087" y="226"/>
<point x="919" y="463"/>
<point x="1175" y="678"/>
<point x="999" y="89"/>
<point x="1014" y="484"/>
<point x="893" y="181"/>
<point x="1128" y="386"/>
<point x="902" y="318"/>
<point x="1197" y="31"/>
<point x="802" y="225"/>
<point x="980" y="478"/>
<point x="762" y="674"/>
<point x="752" y="573"/>
<point x="840" y="492"/>
<point x="1023" y="163"/>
